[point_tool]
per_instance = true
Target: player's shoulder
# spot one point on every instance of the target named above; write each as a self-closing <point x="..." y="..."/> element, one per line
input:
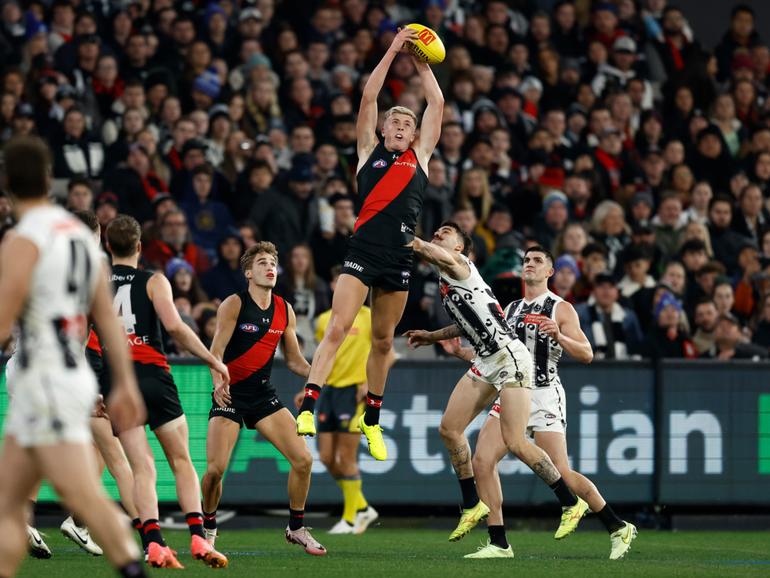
<point x="41" y="224"/>
<point x="231" y="305"/>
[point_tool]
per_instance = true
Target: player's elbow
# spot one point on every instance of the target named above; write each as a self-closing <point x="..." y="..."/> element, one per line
<point x="587" y="356"/>
<point x="176" y="328"/>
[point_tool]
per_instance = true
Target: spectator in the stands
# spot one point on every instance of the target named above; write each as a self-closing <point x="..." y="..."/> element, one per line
<point x="76" y="152"/>
<point x="612" y="330"/>
<point x="637" y="260"/>
<point x="566" y="273"/>
<point x="226" y="277"/>
<point x="731" y="343"/>
<point x="289" y="218"/>
<point x="667" y="338"/>
<point x="207" y="218"/>
<point x="329" y="248"/>
<point x="307" y="293"/>
<point x="705" y="317"/>
<point x="80" y="194"/>
<point x="175" y="241"/>
<point x="724" y="240"/>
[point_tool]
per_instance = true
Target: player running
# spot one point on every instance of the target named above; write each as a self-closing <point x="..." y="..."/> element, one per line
<point x="547" y="325"/>
<point x="250" y="325"/>
<point x="501" y="364"/>
<point x="339" y="408"/>
<point x="108" y="446"/>
<point x="51" y="278"/>
<point x="143" y="301"/>
<point x="392" y="176"/>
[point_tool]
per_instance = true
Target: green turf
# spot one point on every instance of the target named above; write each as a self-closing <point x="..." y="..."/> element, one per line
<point x="426" y="553"/>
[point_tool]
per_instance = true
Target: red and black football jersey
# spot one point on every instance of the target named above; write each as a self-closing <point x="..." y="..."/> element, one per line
<point x="392" y="186"/>
<point x="250" y="352"/>
<point x="138" y="315"/>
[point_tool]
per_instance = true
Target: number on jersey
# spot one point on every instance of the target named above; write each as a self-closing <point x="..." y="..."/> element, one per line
<point x="122" y="306"/>
<point x="79" y="272"/>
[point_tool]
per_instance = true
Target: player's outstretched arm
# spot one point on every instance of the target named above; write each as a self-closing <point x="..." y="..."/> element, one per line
<point x="366" y="124"/>
<point x="159" y="292"/>
<point x="430" y="128"/>
<point x="227" y="317"/>
<point x="566" y="330"/>
<point x="419" y="337"/>
<point x="291" y="351"/>
<point x="447" y="261"/>
<point x="124" y="404"/>
<point x="18" y="257"/>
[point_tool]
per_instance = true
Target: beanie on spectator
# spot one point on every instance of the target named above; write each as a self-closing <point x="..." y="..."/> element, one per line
<point x="554" y="197"/>
<point x="175" y="265"/>
<point x="208" y="84"/>
<point x="665" y="300"/>
<point x="567" y="262"/>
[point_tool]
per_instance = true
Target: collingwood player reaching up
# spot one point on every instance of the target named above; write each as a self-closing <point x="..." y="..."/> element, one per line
<point x="501" y="365"/>
<point x="392" y="176"/>
<point x="250" y="325"/>
<point x="547" y="325"/>
<point x="51" y="278"/>
<point x="143" y="301"/>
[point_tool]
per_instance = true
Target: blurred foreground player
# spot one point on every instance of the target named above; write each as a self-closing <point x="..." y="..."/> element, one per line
<point x="143" y="301"/>
<point x="51" y="278"/>
<point x="250" y="325"/>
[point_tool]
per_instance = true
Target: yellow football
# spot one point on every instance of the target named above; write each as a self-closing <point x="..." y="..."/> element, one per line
<point x="428" y="47"/>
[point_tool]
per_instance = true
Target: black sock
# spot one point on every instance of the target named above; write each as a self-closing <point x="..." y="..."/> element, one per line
<point x="372" y="411"/>
<point x="296" y="519"/>
<point x="210" y="520"/>
<point x="132" y="570"/>
<point x="136" y="524"/>
<point x="610" y="519"/>
<point x="78" y="522"/>
<point x="497" y="536"/>
<point x="563" y="493"/>
<point x="312" y="391"/>
<point x="470" y="496"/>
<point x="151" y="532"/>
<point x="195" y="523"/>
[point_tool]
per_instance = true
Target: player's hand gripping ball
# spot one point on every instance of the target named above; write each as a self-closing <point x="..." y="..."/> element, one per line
<point x="427" y="47"/>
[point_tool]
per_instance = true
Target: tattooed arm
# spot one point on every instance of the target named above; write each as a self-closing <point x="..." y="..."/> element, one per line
<point x="420" y="337"/>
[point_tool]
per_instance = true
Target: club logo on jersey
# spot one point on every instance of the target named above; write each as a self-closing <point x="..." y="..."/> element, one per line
<point x="532" y="319"/>
<point x="379" y="164"/>
<point x="249" y="327"/>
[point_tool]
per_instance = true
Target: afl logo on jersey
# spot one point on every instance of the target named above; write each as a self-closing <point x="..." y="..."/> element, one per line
<point x="249" y="327"/>
<point x="379" y="164"/>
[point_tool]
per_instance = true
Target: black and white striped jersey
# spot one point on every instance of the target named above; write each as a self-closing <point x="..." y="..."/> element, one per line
<point x="475" y="310"/>
<point x="525" y="318"/>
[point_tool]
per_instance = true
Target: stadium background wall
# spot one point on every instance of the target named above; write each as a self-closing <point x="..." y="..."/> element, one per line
<point x="639" y="430"/>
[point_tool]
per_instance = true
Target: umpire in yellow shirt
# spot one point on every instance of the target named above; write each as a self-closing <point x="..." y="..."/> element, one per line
<point x="340" y="405"/>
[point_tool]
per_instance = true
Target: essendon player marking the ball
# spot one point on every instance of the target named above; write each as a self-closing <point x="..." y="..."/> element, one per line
<point x="501" y="365"/>
<point x="143" y="301"/>
<point x="51" y="278"/>
<point x="250" y="325"/>
<point x="392" y="176"/>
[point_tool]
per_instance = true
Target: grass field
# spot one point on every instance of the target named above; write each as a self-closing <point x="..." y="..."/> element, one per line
<point x="426" y="553"/>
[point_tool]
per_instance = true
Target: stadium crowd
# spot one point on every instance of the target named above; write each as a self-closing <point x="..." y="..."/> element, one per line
<point x="601" y="130"/>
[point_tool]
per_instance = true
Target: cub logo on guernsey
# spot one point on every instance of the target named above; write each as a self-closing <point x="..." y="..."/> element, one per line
<point x="249" y="327"/>
<point x="379" y="164"/>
